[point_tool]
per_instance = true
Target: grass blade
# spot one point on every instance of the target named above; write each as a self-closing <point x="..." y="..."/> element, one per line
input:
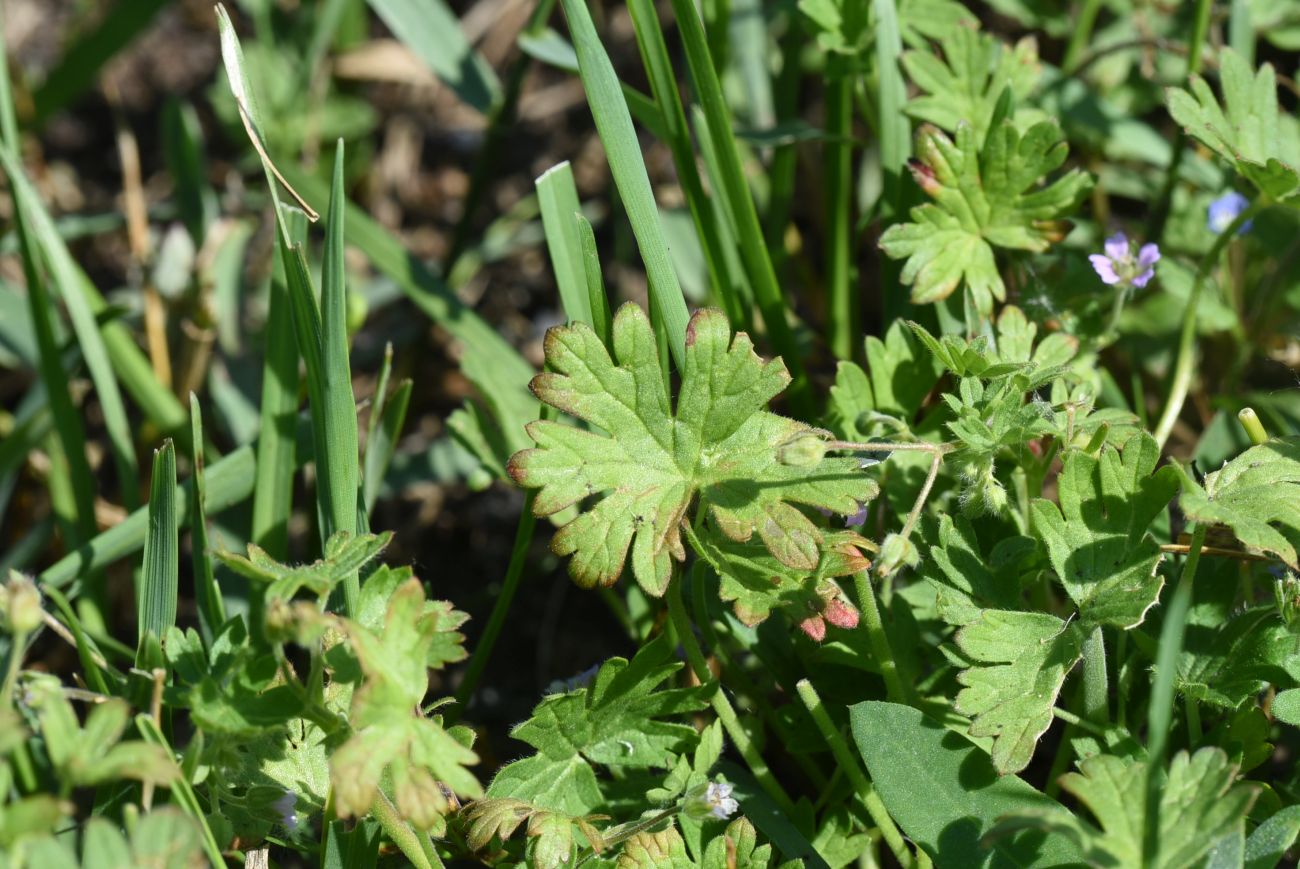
<point x="387" y="415"/>
<point x="494" y="366"/>
<point x="160" y="576"/>
<point x="753" y="249"/>
<point x="212" y="608"/>
<point x="229" y="481"/>
<point x="45" y="237"/>
<point x="558" y="196"/>
<point x="599" y="301"/>
<point x="677" y="135"/>
<point x="183" y="150"/>
<point x="276" y="444"/>
<point x="609" y="109"/>
<point x="430" y="29"/>
<point x="338" y="475"/>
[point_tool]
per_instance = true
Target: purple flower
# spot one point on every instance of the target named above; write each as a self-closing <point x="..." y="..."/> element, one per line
<point x="1224" y="210"/>
<point x="1118" y="267"/>
<point x="286" y="808"/>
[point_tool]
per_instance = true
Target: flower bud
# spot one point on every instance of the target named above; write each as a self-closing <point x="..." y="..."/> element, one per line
<point x="840" y="613"/>
<point x="896" y="552"/>
<point x="1287" y="591"/>
<point x="802" y="451"/>
<point x="20" y="605"/>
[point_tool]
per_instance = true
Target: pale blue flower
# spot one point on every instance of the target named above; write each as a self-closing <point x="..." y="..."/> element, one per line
<point x="1118" y="266"/>
<point x="1224" y="210"/>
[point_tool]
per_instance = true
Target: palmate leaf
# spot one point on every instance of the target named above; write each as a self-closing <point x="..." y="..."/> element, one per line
<point x="1097" y="539"/>
<point x="1256" y="496"/>
<point x="1246" y="130"/>
<point x="1200" y="803"/>
<point x="389" y="732"/>
<point x="1023" y="659"/>
<point x="983" y="198"/>
<point x="1227" y="664"/>
<point x="1017" y="660"/>
<point x="614" y="722"/>
<point x="650" y="463"/>
<point x="966" y="84"/>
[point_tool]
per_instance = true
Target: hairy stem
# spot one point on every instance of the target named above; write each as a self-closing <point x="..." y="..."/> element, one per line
<point x="879" y="640"/>
<point x="1182" y="375"/>
<point x="415" y="848"/>
<point x="1096" y="682"/>
<point x="847" y="762"/>
<point x="681" y="624"/>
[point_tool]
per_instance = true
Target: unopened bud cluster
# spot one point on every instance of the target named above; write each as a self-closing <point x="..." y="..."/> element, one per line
<point x="20" y="605"/>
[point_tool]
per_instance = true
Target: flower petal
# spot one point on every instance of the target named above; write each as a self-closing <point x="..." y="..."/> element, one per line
<point x="1141" y="280"/>
<point x="1104" y="268"/>
<point x="1117" y="247"/>
<point x="1149" y="255"/>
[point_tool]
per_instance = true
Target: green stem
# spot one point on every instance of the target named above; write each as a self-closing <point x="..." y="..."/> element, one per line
<point x="1160" y="211"/>
<point x="847" y="762"/>
<point x="1251" y="424"/>
<point x="17" y="645"/>
<point x="1160" y="711"/>
<point x="415" y="848"/>
<point x="879" y="640"/>
<point x="483" y="651"/>
<point x="681" y="624"/>
<point x="1096" y="682"/>
<point x="837" y="173"/>
<point x="1083" y="24"/>
<point x="1182" y="376"/>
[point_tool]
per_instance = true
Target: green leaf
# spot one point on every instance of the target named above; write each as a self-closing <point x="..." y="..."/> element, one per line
<point x="966" y="84"/>
<point x="965" y="579"/>
<point x="1286" y="707"/>
<point x="984" y="198"/>
<point x="1255" y="495"/>
<point x="945" y="793"/>
<point x="344" y="555"/>
<point x="1228" y="664"/>
<point x="737" y="848"/>
<point x="389" y="732"/>
<point x="755" y="582"/>
<point x="212" y="608"/>
<point x="617" y="135"/>
<point x="1271" y="839"/>
<point x="1247" y="129"/>
<point x="557" y="194"/>
<point x="160" y="577"/>
<point x="1201" y="803"/>
<point x="651" y="463"/>
<point x="840" y="25"/>
<point x="900" y="374"/>
<point x="1020" y="662"/>
<point x="613" y="722"/>
<point x="1097" y="539"/>
<point x="662" y="850"/>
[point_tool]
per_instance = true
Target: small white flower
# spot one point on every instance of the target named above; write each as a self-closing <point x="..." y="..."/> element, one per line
<point x="721" y="804"/>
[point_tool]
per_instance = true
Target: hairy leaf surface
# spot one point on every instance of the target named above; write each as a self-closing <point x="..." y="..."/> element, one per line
<point x="648" y="463"/>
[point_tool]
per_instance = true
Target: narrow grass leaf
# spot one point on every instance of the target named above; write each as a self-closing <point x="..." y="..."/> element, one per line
<point x="229" y="481"/>
<point x="88" y="654"/>
<point x="753" y="248"/>
<point x="430" y="29"/>
<point x="609" y="109"/>
<point x="895" y="128"/>
<point x="66" y="276"/>
<point x="212" y="608"/>
<point x="160" y="576"/>
<point x="558" y="196"/>
<point x="381" y="443"/>
<point x="677" y="135"/>
<point x="276" y="444"/>
<point x="338" y="474"/>
<point x="602" y="321"/>
<point x="182" y="139"/>
<point x="495" y="367"/>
